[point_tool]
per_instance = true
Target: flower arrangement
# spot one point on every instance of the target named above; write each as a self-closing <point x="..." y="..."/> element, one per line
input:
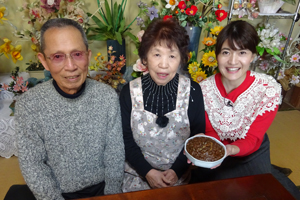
<point x="17" y="86"/>
<point x="187" y="12"/>
<point x="112" y="76"/>
<point x="39" y="11"/>
<point x="8" y="49"/>
<point x="272" y="42"/>
<point x="208" y="65"/>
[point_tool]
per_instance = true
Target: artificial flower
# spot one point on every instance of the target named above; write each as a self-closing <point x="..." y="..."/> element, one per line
<point x="139" y="67"/>
<point x="51" y="5"/>
<point x="171" y="4"/>
<point x="167" y="17"/>
<point x="193" y="67"/>
<point x="140" y="35"/>
<point x="216" y="30"/>
<point x="209" y="41"/>
<point x="152" y="13"/>
<point x="281" y="75"/>
<point x="264" y="65"/>
<point x="295" y="58"/>
<point x="2" y="10"/>
<point x="209" y="59"/>
<point x="191" y="11"/>
<point x="199" y="76"/>
<point x="6" y="48"/>
<point x="182" y="6"/>
<point x="295" y="80"/>
<point x="16" y="54"/>
<point x="221" y="15"/>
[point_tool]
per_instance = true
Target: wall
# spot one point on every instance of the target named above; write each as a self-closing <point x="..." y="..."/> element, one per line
<point x="131" y="11"/>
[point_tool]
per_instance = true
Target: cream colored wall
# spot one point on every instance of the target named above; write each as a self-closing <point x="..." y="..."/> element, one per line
<point x="131" y="12"/>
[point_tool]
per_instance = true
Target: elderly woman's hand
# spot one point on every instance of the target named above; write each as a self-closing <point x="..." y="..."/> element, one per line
<point x="170" y="177"/>
<point x="155" y="179"/>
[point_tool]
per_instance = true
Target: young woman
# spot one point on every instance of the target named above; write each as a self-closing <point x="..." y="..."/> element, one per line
<point x="240" y="106"/>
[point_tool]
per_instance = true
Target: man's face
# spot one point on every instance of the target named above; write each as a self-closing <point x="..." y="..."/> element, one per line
<point x="66" y="58"/>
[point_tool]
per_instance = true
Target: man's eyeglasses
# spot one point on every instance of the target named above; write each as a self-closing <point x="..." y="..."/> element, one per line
<point x="61" y="57"/>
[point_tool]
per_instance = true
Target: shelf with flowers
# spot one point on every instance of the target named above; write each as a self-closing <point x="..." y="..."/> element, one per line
<point x="270" y="48"/>
<point x="109" y="71"/>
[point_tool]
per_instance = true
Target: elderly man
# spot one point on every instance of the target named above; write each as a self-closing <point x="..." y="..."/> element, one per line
<point x="69" y="130"/>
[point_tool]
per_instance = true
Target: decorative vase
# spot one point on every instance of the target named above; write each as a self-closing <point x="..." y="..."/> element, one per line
<point x="194" y="33"/>
<point x="120" y="50"/>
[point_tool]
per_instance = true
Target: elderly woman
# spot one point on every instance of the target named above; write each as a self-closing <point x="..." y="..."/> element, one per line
<point x="160" y="111"/>
<point x="240" y="106"/>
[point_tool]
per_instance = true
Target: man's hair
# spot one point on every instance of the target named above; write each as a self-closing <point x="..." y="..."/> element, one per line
<point x="61" y="23"/>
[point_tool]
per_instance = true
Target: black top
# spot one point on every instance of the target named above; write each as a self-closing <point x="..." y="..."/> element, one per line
<point x="160" y="100"/>
<point x="69" y="96"/>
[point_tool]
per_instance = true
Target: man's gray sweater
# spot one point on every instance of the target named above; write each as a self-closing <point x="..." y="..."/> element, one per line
<point x="66" y="145"/>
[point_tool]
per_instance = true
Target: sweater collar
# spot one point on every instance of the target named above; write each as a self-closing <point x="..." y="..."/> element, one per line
<point x="69" y="96"/>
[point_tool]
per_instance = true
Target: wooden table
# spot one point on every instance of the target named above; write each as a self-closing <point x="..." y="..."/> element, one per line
<point x="257" y="187"/>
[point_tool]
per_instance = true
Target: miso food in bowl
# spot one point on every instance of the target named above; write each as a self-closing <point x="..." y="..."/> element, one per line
<point x="205" y="151"/>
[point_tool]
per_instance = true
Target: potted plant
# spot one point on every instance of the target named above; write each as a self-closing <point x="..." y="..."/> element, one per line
<point x="110" y="26"/>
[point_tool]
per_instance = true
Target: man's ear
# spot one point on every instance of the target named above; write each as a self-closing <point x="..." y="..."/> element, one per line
<point x="43" y="60"/>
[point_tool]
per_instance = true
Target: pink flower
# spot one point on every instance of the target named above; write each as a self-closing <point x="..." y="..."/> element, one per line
<point x="140" y="35"/>
<point x="4" y="86"/>
<point x="295" y="58"/>
<point x="17" y="88"/>
<point x="295" y="80"/>
<point x="280" y="75"/>
<point x="264" y="65"/>
<point x="139" y="67"/>
<point x="24" y="88"/>
<point x="20" y="80"/>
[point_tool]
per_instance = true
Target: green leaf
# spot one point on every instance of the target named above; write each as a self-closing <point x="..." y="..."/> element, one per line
<point x="119" y="37"/>
<point x="183" y="24"/>
<point x="98" y="22"/>
<point x="276" y="50"/>
<point x="136" y="52"/>
<point x="122" y="26"/>
<point x="108" y="13"/>
<point x="260" y="50"/>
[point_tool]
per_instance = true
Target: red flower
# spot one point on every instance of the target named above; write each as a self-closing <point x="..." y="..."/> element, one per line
<point x="167" y="17"/>
<point x="181" y="5"/>
<point x="219" y="6"/>
<point x="221" y="15"/>
<point x="191" y="11"/>
<point x="176" y="12"/>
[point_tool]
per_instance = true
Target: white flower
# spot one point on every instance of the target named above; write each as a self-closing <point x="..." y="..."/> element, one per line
<point x="281" y="75"/>
<point x="295" y="80"/>
<point x="171" y="4"/>
<point x="139" y="67"/>
<point x="50" y="2"/>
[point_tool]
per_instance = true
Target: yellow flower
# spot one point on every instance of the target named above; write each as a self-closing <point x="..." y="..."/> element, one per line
<point x="98" y="54"/>
<point x="34" y="48"/>
<point x="193" y="68"/>
<point x="216" y="30"/>
<point x="6" y="48"/>
<point x="209" y="59"/>
<point x="2" y="9"/>
<point x="209" y="41"/>
<point x="96" y="58"/>
<point x="16" y="54"/>
<point x="199" y="76"/>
